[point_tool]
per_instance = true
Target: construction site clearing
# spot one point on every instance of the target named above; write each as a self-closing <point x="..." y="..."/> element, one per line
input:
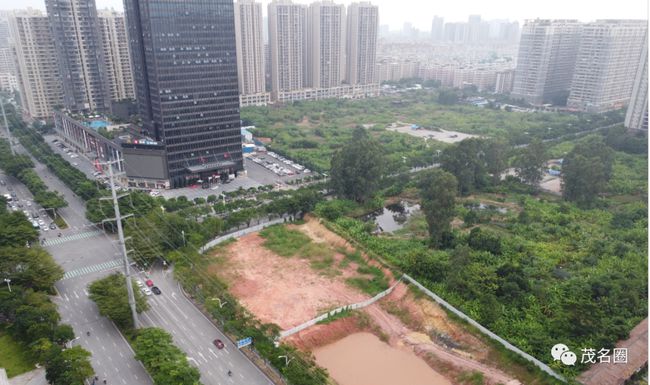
<point x="403" y="334"/>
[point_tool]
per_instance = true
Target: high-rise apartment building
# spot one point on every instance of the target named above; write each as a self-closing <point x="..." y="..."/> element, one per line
<point x="8" y="81"/>
<point x="250" y="47"/>
<point x="437" y="28"/>
<point x="116" y="54"/>
<point x="546" y="60"/>
<point x="77" y="36"/>
<point x="185" y="70"/>
<point x="325" y="45"/>
<point x="606" y="64"/>
<point x="37" y="68"/>
<point x="287" y="37"/>
<point x="637" y="112"/>
<point x="363" y="20"/>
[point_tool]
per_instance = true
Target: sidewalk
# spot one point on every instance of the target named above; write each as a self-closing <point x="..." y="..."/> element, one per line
<point x="35" y="377"/>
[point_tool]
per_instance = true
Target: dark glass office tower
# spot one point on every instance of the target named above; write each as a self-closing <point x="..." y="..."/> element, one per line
<point x="185" y="73"/>
<point x="76" y="34"/>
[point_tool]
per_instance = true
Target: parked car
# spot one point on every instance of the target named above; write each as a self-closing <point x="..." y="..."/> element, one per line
<point x="139" y="283"/>
<point x="52" y="226"/>
<point x="156" y="290"/>
<point x="149" y="282"/>
<point x="146" y="291"/>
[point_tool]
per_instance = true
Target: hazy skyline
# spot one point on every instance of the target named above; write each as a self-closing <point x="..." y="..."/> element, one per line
<point x="420" y="13"/>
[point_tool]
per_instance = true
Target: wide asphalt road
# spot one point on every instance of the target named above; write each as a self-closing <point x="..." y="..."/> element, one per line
<point x="194" y="334"/>
<point x="87" y="254"/>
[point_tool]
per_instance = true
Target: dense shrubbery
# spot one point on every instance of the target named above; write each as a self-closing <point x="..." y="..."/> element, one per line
<point x="68" y="174"/>
<point x="296" y="127"/>
<point x="558" y="273"/>
<point x="27" y="312"/>
<point x="110" y="295"/>
<point x="166" y="363"/>
<point x="239" y="323"/>
<point x="21" y="167"/>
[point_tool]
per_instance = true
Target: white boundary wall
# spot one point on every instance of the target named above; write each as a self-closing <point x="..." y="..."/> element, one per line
<point x="484" y="330"/>
<point x="368" y="302"/>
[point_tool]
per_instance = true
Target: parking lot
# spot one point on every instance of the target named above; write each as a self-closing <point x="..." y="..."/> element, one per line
<point x="260" y="169"/>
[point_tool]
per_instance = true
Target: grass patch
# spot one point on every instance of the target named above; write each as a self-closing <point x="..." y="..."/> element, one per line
<point x="471" y="378"/>
<point x="60" y="223"/>
<point x="284" y="242"/>
<point x="369" y="286"/>
<point x="322" y="263"/>
<point x="14" y="357"/>
<point x="342" y="314"/>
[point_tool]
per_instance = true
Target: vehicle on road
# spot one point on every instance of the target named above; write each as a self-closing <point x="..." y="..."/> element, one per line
<point x="218" y="343"/>
<point x="156" y="290"/>
<point x="2" y="182"/>
<point x="52" y="226"/>
<point x="146" y="291"/>
<point x="149" y="282"/>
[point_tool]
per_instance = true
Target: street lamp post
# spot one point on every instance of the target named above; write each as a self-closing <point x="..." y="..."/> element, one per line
<point x="8" y="283"/>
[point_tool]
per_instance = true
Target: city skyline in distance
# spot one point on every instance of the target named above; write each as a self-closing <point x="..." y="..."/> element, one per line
<point x="420" y="13"/>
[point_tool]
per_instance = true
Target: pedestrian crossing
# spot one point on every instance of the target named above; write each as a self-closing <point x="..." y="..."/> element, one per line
<point x="93" y="269"/>
<point x="73" y="237"/>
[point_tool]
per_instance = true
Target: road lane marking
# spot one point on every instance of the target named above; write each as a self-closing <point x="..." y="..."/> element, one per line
<point x="213" y="353"/>
<point x="202" y="356"/>
<point x="112" y="264"/>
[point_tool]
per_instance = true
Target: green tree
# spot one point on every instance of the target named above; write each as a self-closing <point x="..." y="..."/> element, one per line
<point x="15" y="230"/>
<point x="357" y="167"/>
<point x="111" y="297"/>
<point x="165" y="362"/>
<point x="69" y="367"/>
<point x="466" y="161"/>
<point x="437" y="196"/>
<point x="530" y="163"/>
<point x="30" y="268"/>
<point x="496" y="158"/>
<point x="586" y="170"/>
<point x="447" y="97"/>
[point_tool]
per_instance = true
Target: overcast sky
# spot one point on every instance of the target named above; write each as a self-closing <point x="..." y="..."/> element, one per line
<point x="420" y="12"/>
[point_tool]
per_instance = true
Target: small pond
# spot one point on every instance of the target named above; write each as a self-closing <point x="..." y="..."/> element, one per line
<point x="394" y="216"/>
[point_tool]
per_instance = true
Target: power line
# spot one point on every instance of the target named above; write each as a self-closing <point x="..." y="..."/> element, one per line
<point x="118" y="218"/>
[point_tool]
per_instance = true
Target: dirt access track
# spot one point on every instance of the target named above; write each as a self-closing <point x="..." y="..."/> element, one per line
<point x="288" y="291"/>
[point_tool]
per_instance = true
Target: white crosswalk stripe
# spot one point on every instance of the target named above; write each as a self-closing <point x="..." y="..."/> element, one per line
<point x="93" y="269"/>
<point x="73" y="237"/>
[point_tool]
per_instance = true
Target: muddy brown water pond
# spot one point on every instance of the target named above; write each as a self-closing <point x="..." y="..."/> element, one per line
<point x="363" y="359"/>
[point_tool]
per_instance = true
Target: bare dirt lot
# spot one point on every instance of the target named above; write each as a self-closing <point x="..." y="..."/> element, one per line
<point x="280" y="290"/>
<point x="288" y="291"/>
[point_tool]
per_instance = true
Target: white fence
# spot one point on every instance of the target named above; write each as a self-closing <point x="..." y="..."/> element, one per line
<point x="241" y="233"/>
<point x="311" y="322"/>
<point x="484" y="330"/>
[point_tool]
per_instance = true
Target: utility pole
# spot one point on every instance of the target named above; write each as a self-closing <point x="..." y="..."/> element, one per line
<point x="120" y="233"/>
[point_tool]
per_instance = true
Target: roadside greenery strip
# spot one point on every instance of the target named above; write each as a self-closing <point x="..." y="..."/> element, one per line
<point x="165" y="363"/>
<point x="21" y="167"/>
<point x="67" y="173"/>
<point x="239" y="323"/>
<point x="26" y="312"/>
